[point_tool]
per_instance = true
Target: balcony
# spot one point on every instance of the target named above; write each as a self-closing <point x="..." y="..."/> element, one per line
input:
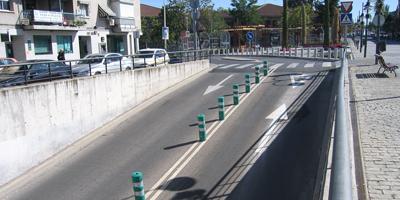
<point x="31" y="18"/>
<point x="123" y="24"/>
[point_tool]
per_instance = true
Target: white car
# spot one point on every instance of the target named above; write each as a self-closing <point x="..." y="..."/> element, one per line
<point x="99" y="62"/>
<point x="151" y="57"/>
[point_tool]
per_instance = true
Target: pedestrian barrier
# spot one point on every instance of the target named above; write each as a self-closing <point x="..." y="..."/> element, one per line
<point x="257" y="74"/>
<point x="201" y="118"/>
<point x="236" y="97"/>
<point x="265" y="67"/>
<point x="221" y="107"/>
<point x="248" y="83"/>
<point x="138" y="187"/>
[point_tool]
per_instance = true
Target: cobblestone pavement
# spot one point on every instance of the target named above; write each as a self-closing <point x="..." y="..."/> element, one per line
<point x="377" y="102"/>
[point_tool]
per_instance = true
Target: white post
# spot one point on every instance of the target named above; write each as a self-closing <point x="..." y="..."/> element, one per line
<point x="308" y="53"/>
<point x="302" y="52"/>
<point x="290" y="52"/>
<point x="329" y="53"/>
<point x="295" y="53"/>
<point x="315" y="52"/>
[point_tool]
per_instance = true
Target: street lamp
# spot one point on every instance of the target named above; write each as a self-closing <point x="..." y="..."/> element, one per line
<point x="362" y="27"/>
<point x="367" y="16"/>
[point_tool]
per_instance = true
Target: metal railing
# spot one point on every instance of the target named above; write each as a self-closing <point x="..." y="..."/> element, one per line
<point x="40" y="71"/>
<point x="27" y="17"/>
<point x="340" y="182"/>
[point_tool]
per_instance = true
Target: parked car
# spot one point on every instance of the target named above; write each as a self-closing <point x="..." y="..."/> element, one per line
<point x="151" y="57"/>
<point x="33" y="71"/>
<point x="98" y="63"/>
<point x="6" y="61"/>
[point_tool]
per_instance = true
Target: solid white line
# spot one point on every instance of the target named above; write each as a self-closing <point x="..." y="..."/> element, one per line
<point x="158" y="185"/>
<point x="230" y="76"/>
<point x="228" y="66"/>
<point x="327" y="64"/>
<point x="244" y="66"/>
<point x="309" y="65"/>
<point x="293" y="65"/>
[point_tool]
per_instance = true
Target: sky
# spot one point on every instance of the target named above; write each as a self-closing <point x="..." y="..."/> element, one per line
<point x="226" y="4"/>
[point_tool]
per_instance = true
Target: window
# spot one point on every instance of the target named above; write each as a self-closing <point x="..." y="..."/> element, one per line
<point x="84" y="9"/>
<point x="65" y="43"/>
<point x="4" y="38"/>
<point x="42" y="44"/>
<point x="4" y="5"/>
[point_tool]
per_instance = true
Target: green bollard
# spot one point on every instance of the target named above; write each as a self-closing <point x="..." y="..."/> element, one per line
<point x="235" y="94"/>
<point x="248" y="84"/>
<point x="221" y="107"/>
<point x="257" y="75"/>
<point x="265" y="68"/>
<point x="202" y="127"/>
<point x="138" y="187"/>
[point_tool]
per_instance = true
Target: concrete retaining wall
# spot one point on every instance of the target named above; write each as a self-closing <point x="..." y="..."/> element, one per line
<point x="37" y="121"/>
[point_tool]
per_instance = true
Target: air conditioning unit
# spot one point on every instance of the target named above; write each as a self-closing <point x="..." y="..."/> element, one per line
<point x="111" y="22"/>
<point x="25" y="22"/>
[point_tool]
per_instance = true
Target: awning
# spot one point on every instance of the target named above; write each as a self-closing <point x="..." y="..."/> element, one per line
<point x="105" y="11"/>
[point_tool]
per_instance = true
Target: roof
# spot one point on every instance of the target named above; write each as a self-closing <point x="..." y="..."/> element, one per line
<point x="149" y="11"/>
<point x="270" y="10"/>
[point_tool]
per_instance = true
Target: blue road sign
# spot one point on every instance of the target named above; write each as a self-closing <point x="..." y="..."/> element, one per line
<point x="346" y="18"/>
<point x="250" y="36"/>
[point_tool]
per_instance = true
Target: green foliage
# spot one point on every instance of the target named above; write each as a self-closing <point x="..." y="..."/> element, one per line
<point x="244" y="12"/>
<point x="295" y="15"/>
<point x="212" y="20"/>
<point x="151" y="28"/>
<point x="326" y="21"/>
<point x="176" y="18"/>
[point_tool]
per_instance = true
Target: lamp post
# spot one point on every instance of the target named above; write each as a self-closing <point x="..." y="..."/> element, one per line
<point x="366" y="27"/>
<point x="362" y="27"/>
<point x="165" y="25"/>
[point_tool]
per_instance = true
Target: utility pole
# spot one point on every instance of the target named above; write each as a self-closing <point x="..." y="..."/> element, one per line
<point x="366" y="28"/>
<point x="362" y="27"/>
<point x="195" y="16"/>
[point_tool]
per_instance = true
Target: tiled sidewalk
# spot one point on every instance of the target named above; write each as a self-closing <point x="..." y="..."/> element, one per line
<point x="377" y="103"/>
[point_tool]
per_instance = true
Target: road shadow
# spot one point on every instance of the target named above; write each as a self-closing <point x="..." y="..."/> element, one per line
<point x="289" y="168"/>
<point x="371" y="75"/>
<point x="180" y="145"/>
<point x="180" y="186"/>
<point x="216" y="107"/>
<point x="207" y="122"/>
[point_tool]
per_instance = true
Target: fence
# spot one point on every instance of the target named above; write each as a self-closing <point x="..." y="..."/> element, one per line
<point x="316" y="52"/>
<point x="47" y="70"/>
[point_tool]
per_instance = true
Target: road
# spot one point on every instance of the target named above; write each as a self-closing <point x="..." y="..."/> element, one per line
<point x="247" y="156"/>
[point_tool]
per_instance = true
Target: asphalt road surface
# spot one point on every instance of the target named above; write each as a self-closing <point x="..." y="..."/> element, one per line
<point x="268" y="147"/>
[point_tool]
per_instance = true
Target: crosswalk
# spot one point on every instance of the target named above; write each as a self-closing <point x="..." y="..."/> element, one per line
<point x="277" y="65"/>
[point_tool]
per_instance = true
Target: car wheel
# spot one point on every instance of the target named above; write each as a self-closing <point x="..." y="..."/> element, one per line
<point x="128" y="68"/>
<point x="97" y="73"/>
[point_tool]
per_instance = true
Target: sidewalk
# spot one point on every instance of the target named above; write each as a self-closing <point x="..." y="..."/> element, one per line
<point x="377" y="109"/>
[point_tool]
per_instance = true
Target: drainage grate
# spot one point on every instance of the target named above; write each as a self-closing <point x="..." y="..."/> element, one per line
<point x="371" y="75"/>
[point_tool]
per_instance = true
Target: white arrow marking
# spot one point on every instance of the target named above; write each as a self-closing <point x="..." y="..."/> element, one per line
<point x="296" y="83"/>
<point x="213" y="88"/>
<point x="279" y="114"/>
<point x="327" y="64"/>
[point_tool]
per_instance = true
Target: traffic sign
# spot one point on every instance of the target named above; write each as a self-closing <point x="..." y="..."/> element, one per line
<point x="347" y="6"/>
<point x="250" y="36"/>
<point x="381" y="20"/>
<point x="165" y="33"/>
<point x="346" y="18"/>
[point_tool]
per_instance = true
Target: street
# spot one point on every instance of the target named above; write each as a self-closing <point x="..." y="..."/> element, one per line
<point x="250" y="148"/>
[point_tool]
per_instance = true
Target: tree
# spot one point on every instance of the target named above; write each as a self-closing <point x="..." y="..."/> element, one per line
<point x="244" y="12"/>
<point x="285" y="26"/>
<point x="151" y="32"/>
<point x="176" y="16"/>
<point x="212" y="20"/>
<point x="326" y="22"/>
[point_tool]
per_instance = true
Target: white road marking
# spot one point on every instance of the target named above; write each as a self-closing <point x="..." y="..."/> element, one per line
<point x="296" y="83"/>
<point x="279" y="113"/>
<point x="293" y="65"/>
<point x="244" y="66"/>
<point x="309" y="65"/>
<point x="159" y="187"/>
<point x="229" y="66"/>
<point x="213" y="88"/>
<point x="277" y="65"/>
<point x="327" y="64"/>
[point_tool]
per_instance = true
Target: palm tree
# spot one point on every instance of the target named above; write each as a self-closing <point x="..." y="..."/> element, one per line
<point x="285" y="34"/>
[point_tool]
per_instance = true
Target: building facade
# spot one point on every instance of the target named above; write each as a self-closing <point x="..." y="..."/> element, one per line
<point x="38" y="29"/>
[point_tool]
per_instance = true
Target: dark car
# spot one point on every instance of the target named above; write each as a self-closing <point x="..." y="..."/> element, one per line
<point x="33" y="71"/>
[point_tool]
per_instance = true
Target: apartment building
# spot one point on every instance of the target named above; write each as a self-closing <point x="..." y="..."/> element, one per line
<point x="38" y="29"/>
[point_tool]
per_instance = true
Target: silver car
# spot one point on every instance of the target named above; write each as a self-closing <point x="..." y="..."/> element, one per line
<point x="94" y="64"/>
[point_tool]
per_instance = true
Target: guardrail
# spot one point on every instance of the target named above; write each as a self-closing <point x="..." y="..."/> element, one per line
<point x="317" y="52"/>
<point x="340" y="182"/>
<point x="31" y="72"/>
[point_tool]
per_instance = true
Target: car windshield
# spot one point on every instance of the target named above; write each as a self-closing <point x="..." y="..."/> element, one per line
<point x="146" y="54"/>
<point x="93" y="59"/>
